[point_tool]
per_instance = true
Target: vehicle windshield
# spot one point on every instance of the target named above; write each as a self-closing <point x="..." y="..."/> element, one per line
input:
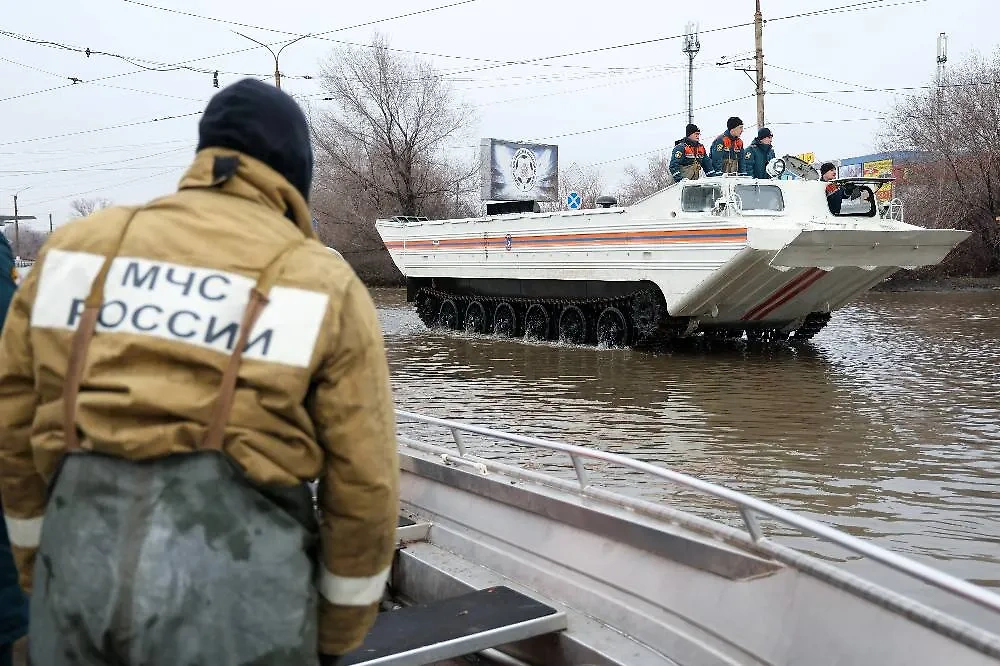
<point x="760" y="197"/>
<point x="699" y="198"/>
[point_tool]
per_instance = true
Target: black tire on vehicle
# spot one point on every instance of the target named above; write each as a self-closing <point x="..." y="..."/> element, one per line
<point x="448" y="314"/>
<point x="572" y="325"/>
<point x="537" y="322"/>
<point x="612" y="328"/>
<point x="505" y="320"/>
<point x="475" y="318"/>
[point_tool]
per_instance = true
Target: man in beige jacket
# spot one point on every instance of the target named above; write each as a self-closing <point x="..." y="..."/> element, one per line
<point x="171" y="378"/>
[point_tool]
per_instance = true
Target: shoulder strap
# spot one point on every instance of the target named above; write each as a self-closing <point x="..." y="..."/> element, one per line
<point x="215" y="434"/>
<point x="81" y="341"/>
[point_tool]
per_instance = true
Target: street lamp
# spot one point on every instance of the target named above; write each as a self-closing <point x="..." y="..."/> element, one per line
<point x="277" y="72"/>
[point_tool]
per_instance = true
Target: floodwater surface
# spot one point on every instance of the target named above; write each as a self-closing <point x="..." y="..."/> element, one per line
<point x="886" y="425"/>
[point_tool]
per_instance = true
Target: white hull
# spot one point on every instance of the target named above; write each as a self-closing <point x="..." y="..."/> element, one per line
<point x="722" y="268"/>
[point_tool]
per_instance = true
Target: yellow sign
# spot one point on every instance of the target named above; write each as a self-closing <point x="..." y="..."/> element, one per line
<point x="880" y="169"/>
<point x="808" y="158"/>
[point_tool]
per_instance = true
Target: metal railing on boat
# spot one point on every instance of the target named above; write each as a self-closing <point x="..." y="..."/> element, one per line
<point x="749" y="507"/>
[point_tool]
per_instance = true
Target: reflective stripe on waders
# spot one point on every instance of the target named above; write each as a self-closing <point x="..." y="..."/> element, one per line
<point x="214" y="434"/>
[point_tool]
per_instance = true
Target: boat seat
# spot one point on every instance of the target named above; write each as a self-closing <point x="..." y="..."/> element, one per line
<point x="454" y="627"/>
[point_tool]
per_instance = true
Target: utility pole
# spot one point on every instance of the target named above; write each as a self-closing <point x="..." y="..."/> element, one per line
<point x="50" y="223"/>
<point x="691" y="48"/>
<point x="277" y="72"/>
<point x="942" y="58"/>
<point x="17" y="234"/>
<point x="15" y="218"/>
<point x="758" y="27"/>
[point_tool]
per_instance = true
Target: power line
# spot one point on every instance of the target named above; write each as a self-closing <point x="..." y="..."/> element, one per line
<point x="820" y="122"/>
<point x="638" y="122"/>
<point x="104" y="187"/>
<point x="852" y="7"/>
<point x="132" y="60"/>
<point x="100" y="166"/>
<point x="573" y="90"/>
<point x="76" y="80"/>
<point x="815" y="76"/>
<point x="358" y="45"/>
<point x="626" y="124"/>
<point x="43" y="71"/>
<point x="244" y="50"/>
<point x="825" y="101"/>
<point x="59" y="153"/>
<point x="858" y="6"/>
<point x="18" y="174"/>
<point x="866" y="89"/>
<point x="102" y="129"/>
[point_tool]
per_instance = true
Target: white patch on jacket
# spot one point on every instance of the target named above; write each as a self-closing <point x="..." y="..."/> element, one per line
<point x="187" y="304"/>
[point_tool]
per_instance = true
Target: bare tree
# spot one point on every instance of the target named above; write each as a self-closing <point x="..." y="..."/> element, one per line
<point x="956" y="183"/>
<point x="84" y="207"/>
<point x="640" y="184"/>
<point x="383" y="149"/>
<point x="29" y="240"/>
<point x="588" y="182"/>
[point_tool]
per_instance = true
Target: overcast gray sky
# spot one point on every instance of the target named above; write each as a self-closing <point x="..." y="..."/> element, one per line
<point x="875" y="44"/>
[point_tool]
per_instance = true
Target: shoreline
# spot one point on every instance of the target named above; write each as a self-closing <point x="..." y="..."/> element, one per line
<point x="940" y="284"/>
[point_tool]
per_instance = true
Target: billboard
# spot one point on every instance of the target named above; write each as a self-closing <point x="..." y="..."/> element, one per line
<point x="850" y="171"/>
<point x="515" y="171"/>
<point x="880" y="169"/>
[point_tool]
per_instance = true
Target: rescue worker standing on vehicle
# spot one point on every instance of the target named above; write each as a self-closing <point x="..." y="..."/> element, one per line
<point x="689" y="157"/>
<point x="759" y="154"/>
<point x="176" y="373"/>
<point x="727" y="149"/>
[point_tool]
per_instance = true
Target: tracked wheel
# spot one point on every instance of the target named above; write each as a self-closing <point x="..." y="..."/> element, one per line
<point x="448" y="314"/>
<point x="537" y="322"/>
<point x="475" y="318"/>
<point x="612" y="328"/>
<point x="427" y="308"/>
<point x="504" y="320"/>
<point x="645" y="311"/>
<point x="572" y="325"/>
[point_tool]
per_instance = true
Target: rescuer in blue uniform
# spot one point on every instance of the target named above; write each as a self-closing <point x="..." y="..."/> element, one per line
<point x="727" y="149"/>
<point x="760" y="152"/>
<point x="689" y="157"/>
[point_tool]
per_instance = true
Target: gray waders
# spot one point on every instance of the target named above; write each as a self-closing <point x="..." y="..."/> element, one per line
<point x="691" y="171"/>
<point x="176" y="560"/>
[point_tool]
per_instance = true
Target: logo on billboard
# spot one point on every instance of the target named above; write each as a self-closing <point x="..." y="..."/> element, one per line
<point x="514" y="171"/>
<point x="524" y="169"/>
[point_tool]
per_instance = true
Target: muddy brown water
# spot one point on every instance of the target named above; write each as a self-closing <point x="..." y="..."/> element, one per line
<point x="886" y="426"/>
